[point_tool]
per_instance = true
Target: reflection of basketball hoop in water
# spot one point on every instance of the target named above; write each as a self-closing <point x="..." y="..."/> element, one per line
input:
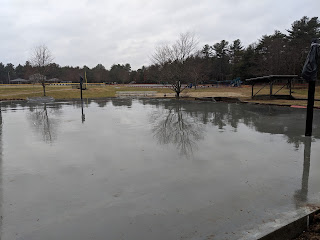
<point x="301" y="195"/>
<point x="83" y="116"/>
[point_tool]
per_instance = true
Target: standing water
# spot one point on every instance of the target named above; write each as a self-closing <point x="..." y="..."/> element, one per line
<point x="153" y="169"/>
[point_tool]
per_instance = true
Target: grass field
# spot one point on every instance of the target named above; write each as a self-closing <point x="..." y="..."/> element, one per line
<point x="10" y="92"/>
<point x="66" y="92"/>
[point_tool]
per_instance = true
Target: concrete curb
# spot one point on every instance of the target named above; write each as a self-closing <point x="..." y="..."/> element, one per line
<point x="293" y="229"/>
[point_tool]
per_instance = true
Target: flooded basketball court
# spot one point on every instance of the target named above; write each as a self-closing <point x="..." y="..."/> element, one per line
<point x="153" y="169"/>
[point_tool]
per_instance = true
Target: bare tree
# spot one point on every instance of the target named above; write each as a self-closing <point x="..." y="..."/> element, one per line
<point x="171" y="59"/>
<point x="41" y="59"/>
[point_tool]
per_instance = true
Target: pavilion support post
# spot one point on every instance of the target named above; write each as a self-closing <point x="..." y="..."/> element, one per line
<point x="290" y="87"/>
<point x="311" y="90"/>
<point x="271" y="88"/>
<point x="252" y="90"/>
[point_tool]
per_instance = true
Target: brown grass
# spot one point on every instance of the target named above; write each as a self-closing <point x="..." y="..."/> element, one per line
<point x="66" y="92"/>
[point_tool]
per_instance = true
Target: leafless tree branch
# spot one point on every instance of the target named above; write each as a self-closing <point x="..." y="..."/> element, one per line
<point x="40" y="59"/>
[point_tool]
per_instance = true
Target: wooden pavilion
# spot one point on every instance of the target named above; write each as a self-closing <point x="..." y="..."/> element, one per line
<point x="284" y="80"/>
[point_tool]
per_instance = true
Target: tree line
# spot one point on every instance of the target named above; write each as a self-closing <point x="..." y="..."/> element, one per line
<point x="183" y="62"/>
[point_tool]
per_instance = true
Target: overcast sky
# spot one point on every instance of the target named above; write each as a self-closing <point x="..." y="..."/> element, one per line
<point x="88" y="32"/>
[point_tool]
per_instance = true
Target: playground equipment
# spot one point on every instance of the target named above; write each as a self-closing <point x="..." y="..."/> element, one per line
<point x="236" y="82"/>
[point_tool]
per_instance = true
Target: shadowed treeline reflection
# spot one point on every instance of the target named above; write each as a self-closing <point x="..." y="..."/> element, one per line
<point x="118" y="102"/>
<point x="14" y="105"/>
<point x="266" y="119"/>
<point x="286" y="121"/>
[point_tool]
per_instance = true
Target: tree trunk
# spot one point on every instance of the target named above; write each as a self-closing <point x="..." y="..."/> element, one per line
<point x="178" y="89"/>
<point x="44" y="89"/>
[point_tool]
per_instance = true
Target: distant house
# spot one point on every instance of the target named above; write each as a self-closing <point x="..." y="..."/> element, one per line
<point x="19" y="81"/>
<point x="37" y="77"/>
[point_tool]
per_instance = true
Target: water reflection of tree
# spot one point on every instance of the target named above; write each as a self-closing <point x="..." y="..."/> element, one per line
<point x="122" y="102"/>
<point x="41" y="122"/>
<point x="102" y="102"/>
<point x="286" y="121"/>
<point x="175" y="126"/>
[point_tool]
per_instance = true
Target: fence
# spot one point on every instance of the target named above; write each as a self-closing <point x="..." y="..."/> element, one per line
<point x="135" y="93"/>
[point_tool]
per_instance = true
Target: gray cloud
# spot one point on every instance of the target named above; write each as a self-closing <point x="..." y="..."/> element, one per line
<point x="88" y="32"/>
